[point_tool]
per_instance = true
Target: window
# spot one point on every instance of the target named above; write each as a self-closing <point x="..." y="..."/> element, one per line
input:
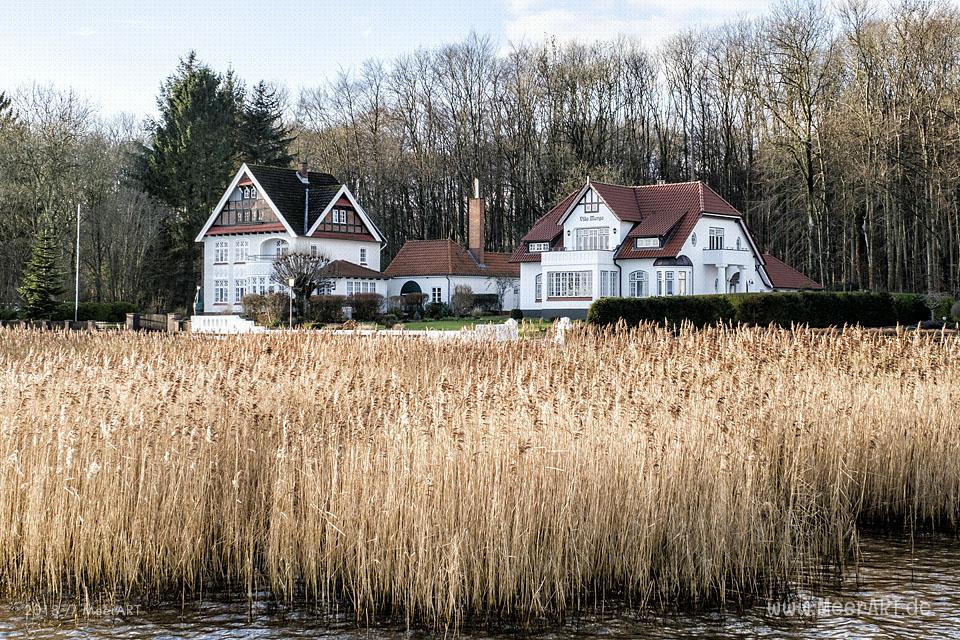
<point x="361" y="286"/>
<point x="220" y="291"/>
<point x="436" y="295"/>
<point x="260" y="285"/>
<point x="591" y="202"/>
<point x="593" y="239"/>
<point x="693" y="239"/>
<point x="240" y="251"/>
<point x="608" y="283"/>
<point x="681" y="283"/>
<point x="538" y="288"/>
<point x="716" y="238"/>
<point x="339" y="216"/>
<point x="659" y="283"/>
<point x="647" y="243"/>
<point x="638" y="284"/>
<point x="738" y="244"/>
<point x="538" y="247"/>
<point x="281" y="248"/>
<point x="220" y="251"/>
<point x="363" y="255"/>
<point x="570" y="284"/>
<point x="668" y="279"/>
<point x="239" y="290"/>
<point x="325" y="288"/>
<point x="314" y="250"/>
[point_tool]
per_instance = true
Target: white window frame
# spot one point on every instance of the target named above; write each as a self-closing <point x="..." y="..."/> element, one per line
<point x="221" y="288"/>
<point x="570" y="284"/>
<point x="239" y="290"/>
<point x="638" y="284"/>
<point x="538" y="288"/>
<point x="716" y="238"/>
<point x="659" y="283"/>
<point x="682" y="282"/>
<point x="538" y="247"/>
<point x="363" y="255"/>
<point x="314" y="250"/>
<point x="436" y="295"/>
<point x="668" y="280"/>
<point x="647" y="243"/>
<point x="221" y="252"/>
<point x="281" y="248"/>
<point x="592" y="238"/>
<point x="241" y="251"/>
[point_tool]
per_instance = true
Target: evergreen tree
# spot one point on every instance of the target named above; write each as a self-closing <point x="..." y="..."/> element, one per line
<point x="6" y="112"/>
<point x="264" y="137"/>
<point x="42" y="278"/>
<point x="192" y="154"/>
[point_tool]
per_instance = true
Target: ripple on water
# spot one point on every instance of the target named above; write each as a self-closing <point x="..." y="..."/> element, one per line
<point x="899" y="590"/>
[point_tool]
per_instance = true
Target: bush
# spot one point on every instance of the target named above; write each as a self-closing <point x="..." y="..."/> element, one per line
<point x="910" y="308"/>
<point x="955" y="311"/>
<point x="816" y="309"/>
<point x="326" y="308"/>
<point x="462" y="300"/>
<point x="97" y="311"/>
<point x="266" y="310"/>
<point x="487" y="302"/>
<point x="388" y="319"/>
<point x="477" y="312"/>
<point x="366" y="306"/>
<point x="516" y="314"/>
<point x="437" y="310"/>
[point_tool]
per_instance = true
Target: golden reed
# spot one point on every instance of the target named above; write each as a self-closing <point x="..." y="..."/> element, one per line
<point x="434" y="480"/>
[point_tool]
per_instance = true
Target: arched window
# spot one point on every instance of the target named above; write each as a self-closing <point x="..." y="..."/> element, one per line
<point x="538" y="288"/>
<point x="638" y="284"/>
<point x="246" y="192"/>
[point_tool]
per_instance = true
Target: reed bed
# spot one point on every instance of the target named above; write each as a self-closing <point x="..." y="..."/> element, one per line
<point x="434" y="480"/>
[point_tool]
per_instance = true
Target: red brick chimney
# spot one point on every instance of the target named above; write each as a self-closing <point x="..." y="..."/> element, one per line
<point x="476" y="231"/>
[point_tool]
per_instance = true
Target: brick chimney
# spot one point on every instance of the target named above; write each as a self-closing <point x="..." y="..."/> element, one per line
<point x="303" y="171"/>
<point x="476" y="232"/>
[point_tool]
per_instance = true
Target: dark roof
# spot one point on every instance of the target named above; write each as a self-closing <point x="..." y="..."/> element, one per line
<point x="783" y="276"/>
<point x="286" y="191"/>
<point x="346" y="269"/>
<point x="447" y="258"/>
<point x="320" y="198"/>
<point x="667" y="211"/>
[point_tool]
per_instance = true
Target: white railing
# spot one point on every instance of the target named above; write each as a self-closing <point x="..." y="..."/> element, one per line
<point x="573" y="257"/>
<point x="738" y="257"/>
<point x="223" y="324"/>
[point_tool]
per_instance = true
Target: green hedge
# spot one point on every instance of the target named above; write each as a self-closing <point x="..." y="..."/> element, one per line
<point x="99" y="311"/>
<point x="816" y="309"/>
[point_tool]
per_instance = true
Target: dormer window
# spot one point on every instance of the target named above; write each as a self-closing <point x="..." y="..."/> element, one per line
<point x="647" y="243"/>
<point x="539" y="247"/>
<point x="339" y="216"/>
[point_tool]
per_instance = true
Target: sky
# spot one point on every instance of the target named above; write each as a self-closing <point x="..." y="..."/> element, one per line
<point x="115" y="54"/>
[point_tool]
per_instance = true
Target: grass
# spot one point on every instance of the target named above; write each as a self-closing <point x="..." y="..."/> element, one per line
<point x="433" y="481"/>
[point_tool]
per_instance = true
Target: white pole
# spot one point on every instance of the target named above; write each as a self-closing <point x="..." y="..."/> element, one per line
<point x="76" y="293"/>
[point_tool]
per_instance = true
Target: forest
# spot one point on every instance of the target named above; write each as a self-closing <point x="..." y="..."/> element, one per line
<point x="834" y="129"/>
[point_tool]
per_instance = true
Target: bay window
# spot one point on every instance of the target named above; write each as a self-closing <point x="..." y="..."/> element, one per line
<point x="570" y="284"/>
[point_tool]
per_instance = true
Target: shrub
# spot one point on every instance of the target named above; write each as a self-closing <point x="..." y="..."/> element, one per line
<point x="266" y="310"/>
<point x="516" y="314"/>
<point x="366" y="306"/>
<point x="910" y="308"/>
<point x="326" y="308"/>
<point x="955" y="311"/>
<point x="487" y="302"/>
<point x="388" y="319"/>
<point x="698" y="310"/>
<point x="438" y="310"/>
<point x="477" y="312"/>
<point x="462" y="300"/>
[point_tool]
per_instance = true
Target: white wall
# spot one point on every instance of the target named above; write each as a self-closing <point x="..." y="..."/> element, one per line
<point x="446" y="284"/>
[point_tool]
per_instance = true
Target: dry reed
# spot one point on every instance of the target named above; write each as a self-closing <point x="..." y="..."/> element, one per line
<point x="434" y="480"/>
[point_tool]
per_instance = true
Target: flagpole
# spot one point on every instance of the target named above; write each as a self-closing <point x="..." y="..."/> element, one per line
<point x="76" y="293"/>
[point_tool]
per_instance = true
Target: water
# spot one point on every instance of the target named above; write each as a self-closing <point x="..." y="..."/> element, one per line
<point x="899" y="590"/>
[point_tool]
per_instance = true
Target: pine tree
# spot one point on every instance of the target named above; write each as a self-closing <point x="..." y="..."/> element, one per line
<point x="42" y="278"/>
<point x="264" y="137"/>
<point x="193" y="152"/>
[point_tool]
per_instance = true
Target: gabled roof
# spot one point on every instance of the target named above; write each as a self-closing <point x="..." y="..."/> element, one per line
<point x="783" y="276"/>
<point x="667" y="211"/>
<point x="347" y="269"/>
<point x="447" y="258"/>
<point x="286" y="190"/>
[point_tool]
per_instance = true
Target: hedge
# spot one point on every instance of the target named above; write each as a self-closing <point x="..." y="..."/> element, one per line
<point x="98" y="311"/>
<point x="816" y="309"/>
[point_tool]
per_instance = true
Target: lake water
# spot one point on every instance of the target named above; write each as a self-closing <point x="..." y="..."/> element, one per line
<point x="900" y="590"/>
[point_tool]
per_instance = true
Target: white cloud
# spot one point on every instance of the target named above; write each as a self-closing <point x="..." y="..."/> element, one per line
<point x="649" y="21"/>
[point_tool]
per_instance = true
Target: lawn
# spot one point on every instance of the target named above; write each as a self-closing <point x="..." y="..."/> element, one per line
<point x="529" y="326"/>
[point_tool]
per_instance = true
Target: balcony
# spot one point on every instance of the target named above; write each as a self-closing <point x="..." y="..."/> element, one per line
<point x="728" y="257"/>
<point x="569" y="258"/>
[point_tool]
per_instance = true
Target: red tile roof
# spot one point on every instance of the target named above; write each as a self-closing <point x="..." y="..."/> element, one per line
<point x="669" y="211"/>
<point x="783" y="276"/>
<point x="346" y="269"/>
<point x="447" y="258"/>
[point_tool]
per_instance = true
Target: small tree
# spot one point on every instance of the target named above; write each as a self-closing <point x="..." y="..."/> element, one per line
<point x="42" y="277"/>
<point x="504" y="284"/>
<point x="307" y="272"/>
<point x="462" y="300"/>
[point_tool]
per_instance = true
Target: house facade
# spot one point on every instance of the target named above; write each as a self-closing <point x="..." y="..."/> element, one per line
<point x="608" y="240"/>
<point x="436" y="267"/>
<point x="267" y="212"/>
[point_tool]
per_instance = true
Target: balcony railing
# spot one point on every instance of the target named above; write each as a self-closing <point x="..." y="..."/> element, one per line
<point x="725" y="257"/>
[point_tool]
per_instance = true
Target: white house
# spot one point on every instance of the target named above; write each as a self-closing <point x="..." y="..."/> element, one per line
<point x="654" y="240"/>
<point x="269" y="211"/>
<point x="436" y="267"/>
